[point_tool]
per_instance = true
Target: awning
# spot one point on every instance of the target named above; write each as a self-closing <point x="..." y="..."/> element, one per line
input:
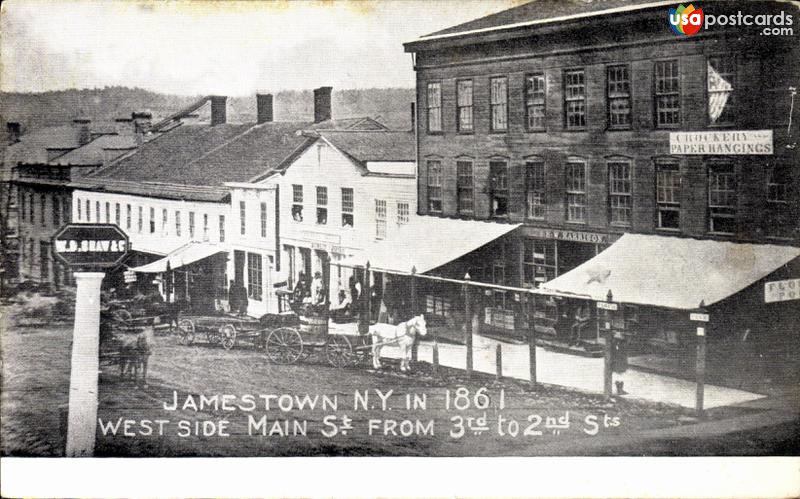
<point x="426" y="243"/>
<point x="184" y="255"/>
<point x="671" y="272"/>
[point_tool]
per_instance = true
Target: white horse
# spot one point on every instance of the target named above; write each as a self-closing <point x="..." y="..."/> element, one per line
<point x="402" y="335"/>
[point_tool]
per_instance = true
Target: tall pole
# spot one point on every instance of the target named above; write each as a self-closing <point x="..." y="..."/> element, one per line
<point x="415" y="346"/>
<point x="608" y="364"/>
<point x="468" y="324"/>
<point x="85" y="364"/>
<point x="532" y="340"/>
<point x="701" y="317"/>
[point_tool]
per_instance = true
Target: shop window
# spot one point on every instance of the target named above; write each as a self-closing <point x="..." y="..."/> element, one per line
<point x="575" y="99"/>
<point x="254" y="276"/>
<point x="438" y="306"/>
<point x="576" y="191"/>
<point x="191" y="225"/>
<point x="619" y="193"/>
<point x="722" y="198"/>
<point x="403" y="212"/>
<point x="222" y="228"/>
<point x="667" y="94"/>
<point x="117" y="214"/>
<point x="177" y="223"/>
<point x="263" y="219"/>
<point x="297" y="203"/>
<point x="499" y="318"/>
<point x="380" y="219"/>
<point x="539" y="261"/>
<point x="535" y="102"/>
<point x="434" y="186"/>
<point x="322" y="205"/>
<point x="108" y="212"/>
<point x="534" y="189"/>
<point x="465" y="187"/>
<point x="434" y="102"/>
<point x="152" y="220"/>
<point x="498" y="171"/>
<point x="721" y="89"/>
<point x="464" y="105"/>
<point x="619" y="97"/>
<point x="347" y="207"/>
<point x="668" y="189"/>
<point x="499" y="103"/>
<point x="205" y="226"/>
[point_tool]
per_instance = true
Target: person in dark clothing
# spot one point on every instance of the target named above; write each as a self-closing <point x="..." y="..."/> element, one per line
<point x="301" y="289"/>
<point x="619" y="363"/>
<point x="233" y="297"/>
<point x="354" y="286"/>
<point x="237" y="297"/>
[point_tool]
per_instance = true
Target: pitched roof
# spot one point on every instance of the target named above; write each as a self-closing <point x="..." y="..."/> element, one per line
<point x="32" y="147"/>
<point x="366" y="123"/>
<point x="365" y="146"/>
<point x="93" y="152"/>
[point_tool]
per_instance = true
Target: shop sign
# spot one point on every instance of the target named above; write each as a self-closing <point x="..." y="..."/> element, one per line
<point x="604" y="305"/>
<point x="129" y="276"/>
<point x="90" y="245"/>
<point x="729" y="142"/>
<point x="572" y="235"/>
<point x="788" y="289"/>
<point x="698" y="317"/>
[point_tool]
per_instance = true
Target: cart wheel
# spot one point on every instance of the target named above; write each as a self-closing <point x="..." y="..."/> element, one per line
<point x="186" y="330"/>
<point x="363" y="349"/>
<point x="284" y="345"/>
<point x="227" y="336"/>
<point x="122" y="315"/>
<point x="339" y="351"/>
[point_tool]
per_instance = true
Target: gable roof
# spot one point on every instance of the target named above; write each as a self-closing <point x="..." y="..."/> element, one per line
<point x="93" y="152"/>
<point x="32" y="147"/>
<point x="366" y="146"/>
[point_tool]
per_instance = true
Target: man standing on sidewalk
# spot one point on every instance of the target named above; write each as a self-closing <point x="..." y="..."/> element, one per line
<point x="619" y="363"/>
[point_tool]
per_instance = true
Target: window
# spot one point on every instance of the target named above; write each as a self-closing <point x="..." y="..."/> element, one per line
<point x="347" y="207"/>
<point x="668" y="194"/>
<point x="88" y="211"/>
<point x="667" y="94"/>
<point x="619" y="193"/>
<point x="722" y="198"/>
<point x="205" y="226"/>
<point x="721" y="83"/>
<point x="575" y="99"/>
<point x="97" y="211"/>
<point x="538" y="261"/>
<point x="177" y="223"/>
<point x="322" y="205"/>
<point x="499" y="103"/>
<point x="778" y="183"/>
<point x="242" y="218"/>
<point x="56" y="212"/>
<point x="263" y="219"/>
<point x="222" y="228"/>
<point x="108" y="212"/>
<point x="66" y="210"/>
<point x="254" y="276"/>
<point x="31" y="208"/>
<point x="434" y="103"/>
<point x="498" y="171"/>
<point x="780" y="222"/>
<point x="535" y="102"/>
<point x="498" y="276"/>
<point x="465" y="187"/>
<point x="434" y="186"/>
<point x="619" y="97"/>
<point x="297" y="203"/>
<point x="43" y="209"/>
<point x="140" y="220"/>
<point x="191" y="225"/>
<point x="22" y="205"/>
<point x="117" y="214"/>
<point x="152" y="220"/>
<point x="164" y="221"/>
<point x="128" y="217"/>
<point x="576" y="191"/>
<point x="464" y="111"/>
<point x="534" y="189"/>
<point x="402" y="212"/>
<point x="438" y="305"/>
<point x="380" y="219"/>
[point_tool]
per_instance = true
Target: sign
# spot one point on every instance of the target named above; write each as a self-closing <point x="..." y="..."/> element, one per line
<point x="606" y="305"/>
<point x="729" y="142"/>
<point x="698" y="317"/>
<point x="788" y="289"/>
<point x="130" y="276"/>
<point x="571" y="235"/>
<point x="90" y="245"/>
<point x="701" y="331"/>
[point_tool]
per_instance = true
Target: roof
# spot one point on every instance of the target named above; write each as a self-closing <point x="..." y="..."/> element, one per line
<point x="184" y="255"/>
<point x="92" y="153"/>
<point x="32" y="147"/>
<point x="419" y="244"/>
<point x="362" y="123"/>
<point x="364" y="146"/>
<point x="671" y="272"/>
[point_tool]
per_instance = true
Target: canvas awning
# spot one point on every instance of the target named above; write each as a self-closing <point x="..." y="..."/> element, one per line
<point x="671" y="272"/>
<point x="426" y="243"/>
<point x="184" y="255"/>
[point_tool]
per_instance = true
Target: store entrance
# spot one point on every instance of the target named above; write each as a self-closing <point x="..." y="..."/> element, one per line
<point x="572" y="254"/>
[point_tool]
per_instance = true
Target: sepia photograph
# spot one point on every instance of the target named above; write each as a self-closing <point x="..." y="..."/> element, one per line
<point x="400" y="228"/>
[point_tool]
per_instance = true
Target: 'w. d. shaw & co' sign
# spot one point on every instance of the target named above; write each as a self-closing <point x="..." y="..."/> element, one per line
<point x="90" y="245"/>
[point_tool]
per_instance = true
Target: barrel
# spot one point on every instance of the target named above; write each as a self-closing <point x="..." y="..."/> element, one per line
<point x="313" y="329"/>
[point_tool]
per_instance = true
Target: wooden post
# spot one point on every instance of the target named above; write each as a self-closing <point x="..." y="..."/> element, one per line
<point x="415" y="346"/>
<point x="701" y="317"/>
<point x="468" y="324"/>
<point x="435" y="359"/>
<point x="367" y="287"/>
<point x="363" y="304"/>
<point x="498" y="361"/>
<point x="608" y="331"/>
<point x="532" y="341"/>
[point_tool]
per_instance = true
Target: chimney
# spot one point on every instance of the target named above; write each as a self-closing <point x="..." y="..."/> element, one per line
<point x="142" y="121"/>
<point x="218" y="109"/>
<point x="322" y="104"/>
<point x="84" y="132"/>
<point x="14" y="131"/>
<point x="264" y="108"/>
<point x="413" y="115"/>
<point x="124" y="126"/>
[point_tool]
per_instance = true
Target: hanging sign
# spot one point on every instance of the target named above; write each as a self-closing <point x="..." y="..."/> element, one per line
<point x="698" y="317"/>
<point x="95" y="246"/>
<point x="604" y="305"/>
<point x="785" y="290"/>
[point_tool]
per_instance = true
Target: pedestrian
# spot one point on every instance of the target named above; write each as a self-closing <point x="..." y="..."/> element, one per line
<point x="317" y="290"/>
<point x="582" y="317"/>
<point x="233" y="298"/>
<point x="619" y="363"/>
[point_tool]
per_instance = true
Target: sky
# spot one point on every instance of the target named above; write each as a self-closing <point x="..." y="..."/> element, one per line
<point x="219" y="47"/>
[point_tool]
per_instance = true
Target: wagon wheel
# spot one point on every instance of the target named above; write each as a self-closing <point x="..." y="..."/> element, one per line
<point x="284" y="345"/>
<point x="339" y="351"/>
<point x="363" y="349"/>
<point x="186" y="330"/>
<point x="227" y="336"/>
<point x="122" y="315"/>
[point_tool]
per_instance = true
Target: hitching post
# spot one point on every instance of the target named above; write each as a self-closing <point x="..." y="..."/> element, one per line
<point x="415" y="346"/>
<point x="701" y="317"/>
<point x="608" y="309"/>
<point x="532" y="340"/>
<point x="468" y="324"/>
<point x="498" y="361"/>
<point x="366" y="288"/>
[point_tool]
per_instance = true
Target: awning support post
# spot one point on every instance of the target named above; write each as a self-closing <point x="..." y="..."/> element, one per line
<point x="468" y="324"/>
<point x="415" y="346"/>
<point x="700" y="362"/>
<point x="608" y="333"/>
<point x="363" y="315"/>
<point x="532" y="340"/>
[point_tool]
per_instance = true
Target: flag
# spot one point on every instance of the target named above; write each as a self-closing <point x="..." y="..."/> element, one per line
<point x="719" y="90"/>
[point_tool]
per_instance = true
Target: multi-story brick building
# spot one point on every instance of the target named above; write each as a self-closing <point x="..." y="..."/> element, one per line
<point x="584" y="121"/>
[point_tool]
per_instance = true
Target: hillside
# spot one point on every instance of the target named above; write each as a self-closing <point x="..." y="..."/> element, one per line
<point x="36" y="110"/>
